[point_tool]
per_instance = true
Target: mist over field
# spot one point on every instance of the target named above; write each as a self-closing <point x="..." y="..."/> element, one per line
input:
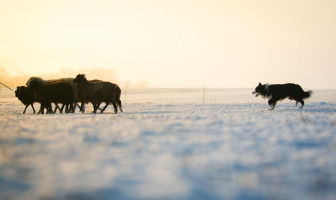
<point x="18" y="79"/>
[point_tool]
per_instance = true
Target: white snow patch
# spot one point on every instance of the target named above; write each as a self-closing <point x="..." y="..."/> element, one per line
<point x="170" y="151"/>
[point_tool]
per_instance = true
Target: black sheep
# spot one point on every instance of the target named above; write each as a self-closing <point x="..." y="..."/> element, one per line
<point x="96" y="93"/>
<point x="53" y="92"/>
<point x="26" y="96"/>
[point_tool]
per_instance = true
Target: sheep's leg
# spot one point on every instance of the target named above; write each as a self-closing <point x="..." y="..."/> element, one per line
<point x="104" y="108"/>
<point x="55" y="109"/>
<point x="24" y="111"/>
<point x="98" y="106"/>
<point x="39" y="112"/>
<point x="42" y="108"/>
<point x="119" y="102"/>
<point x="75" y="104"/>
<point x="95" y="107"/>
<point x="82" y="107"/>
<point x="47" y="108"/>
<point x="32" y="105"/>
<point x="61" y="110"/>
<point x="50" y="109"/>
<point x="73" y="107"/>
<point x="115" y="107"/>
<point x="68" y="107"/>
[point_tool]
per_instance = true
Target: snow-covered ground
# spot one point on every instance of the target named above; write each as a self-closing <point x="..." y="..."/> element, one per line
<point x="170" y="151"/>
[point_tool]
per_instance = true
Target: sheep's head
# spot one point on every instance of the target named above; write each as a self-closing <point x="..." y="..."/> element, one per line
<point x="34" y="84"/>
<point x="79" y="78"/>
<point x="34" y="78"/>
<point x="18" y="91"/>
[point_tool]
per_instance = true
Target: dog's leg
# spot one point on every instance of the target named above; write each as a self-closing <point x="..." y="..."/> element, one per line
<point x="295" y="98"/>
<point x="302" y="103"/>
<point x="299" y="99"/>
<point x="292" y="98"/>
<point x="272" y="107"/>
<point x="272" y="103"/>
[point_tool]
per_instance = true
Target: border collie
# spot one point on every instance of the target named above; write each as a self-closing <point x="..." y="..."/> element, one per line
<point x="279" y="92"/>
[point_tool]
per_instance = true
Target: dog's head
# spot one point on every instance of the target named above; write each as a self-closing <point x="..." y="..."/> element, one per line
<point x="258" y="89"/>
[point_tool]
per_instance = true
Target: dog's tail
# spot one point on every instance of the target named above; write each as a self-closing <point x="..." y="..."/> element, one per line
<point x="307" y="94"/>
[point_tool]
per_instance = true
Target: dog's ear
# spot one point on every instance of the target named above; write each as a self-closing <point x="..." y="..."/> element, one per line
<point x="259" y="83"/>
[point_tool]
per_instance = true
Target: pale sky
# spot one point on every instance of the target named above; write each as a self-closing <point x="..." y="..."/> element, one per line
<point x="175" y="43"/>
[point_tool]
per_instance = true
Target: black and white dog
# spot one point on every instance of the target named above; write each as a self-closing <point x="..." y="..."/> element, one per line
<point x="279" y="92"/>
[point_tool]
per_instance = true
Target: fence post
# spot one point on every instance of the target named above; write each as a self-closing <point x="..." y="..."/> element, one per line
<point x="204" y="94"/>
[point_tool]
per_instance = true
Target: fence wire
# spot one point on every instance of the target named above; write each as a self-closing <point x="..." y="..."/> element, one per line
<point x="208" y="95"/>
<point x="193" y="96"/>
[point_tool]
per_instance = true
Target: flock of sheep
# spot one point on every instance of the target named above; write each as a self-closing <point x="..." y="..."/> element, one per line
<point x="68" y="92"/>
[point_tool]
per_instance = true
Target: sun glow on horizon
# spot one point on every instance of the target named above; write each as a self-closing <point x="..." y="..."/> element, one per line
<point x="175" y="43"/>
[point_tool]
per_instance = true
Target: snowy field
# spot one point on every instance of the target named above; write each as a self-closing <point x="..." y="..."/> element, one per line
<point x="169" y="151"/>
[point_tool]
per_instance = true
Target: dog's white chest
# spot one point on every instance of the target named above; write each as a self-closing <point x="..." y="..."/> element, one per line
<point x="267" y="96"/>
